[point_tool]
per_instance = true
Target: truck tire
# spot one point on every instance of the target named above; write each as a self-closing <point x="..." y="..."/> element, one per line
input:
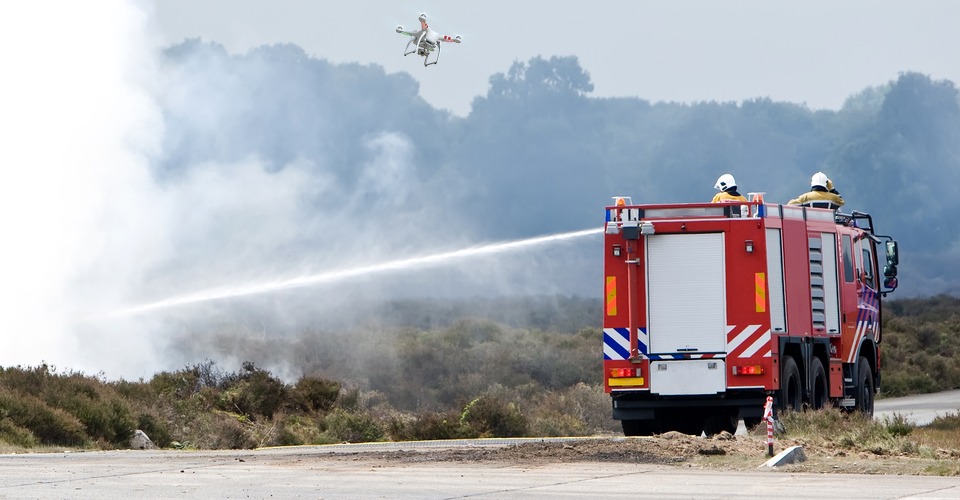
<point x="791" y="387"/>
<point x="722" y="420"/>
<point x="820" y="391"/>
<point x="685" y="420"/>
<point x="864" y="396"/>
<point x="638" y="427"/>
<point x="688" y="425"/>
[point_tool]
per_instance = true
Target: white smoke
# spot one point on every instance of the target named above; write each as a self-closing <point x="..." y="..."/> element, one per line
<point x="78" y="124"/>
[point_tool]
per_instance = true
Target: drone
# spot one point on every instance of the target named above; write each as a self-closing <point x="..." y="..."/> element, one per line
<point x="425" y="41"/>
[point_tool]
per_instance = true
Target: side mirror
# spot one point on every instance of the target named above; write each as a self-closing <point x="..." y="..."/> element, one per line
<point x="889" y="278"/>
<point x="890" y="271"/>
<point x="889" y="284"/>
<point x="893" y="256"/>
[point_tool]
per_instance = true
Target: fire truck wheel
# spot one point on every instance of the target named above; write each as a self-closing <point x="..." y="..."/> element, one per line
<point x="791" y="390"/>
<point x="819" y="393"/>
<point x="686" y="420"/>
<point x="722" y="420"/>
<point x="638" y="427"/>
<point x="864" y="398"/>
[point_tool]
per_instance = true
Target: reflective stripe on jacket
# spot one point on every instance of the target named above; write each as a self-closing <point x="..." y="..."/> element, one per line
<point x="817" y="196"/>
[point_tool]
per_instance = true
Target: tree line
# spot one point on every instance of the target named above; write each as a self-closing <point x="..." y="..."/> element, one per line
<point x="539" y="154"/>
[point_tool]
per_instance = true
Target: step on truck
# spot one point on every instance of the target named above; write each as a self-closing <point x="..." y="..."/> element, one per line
<point x="711" y="307"/>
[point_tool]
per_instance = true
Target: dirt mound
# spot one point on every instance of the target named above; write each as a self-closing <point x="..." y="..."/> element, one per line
<point x="723" y="451"/>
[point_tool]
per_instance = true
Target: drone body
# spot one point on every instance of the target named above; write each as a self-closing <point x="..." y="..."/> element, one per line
<point x="425" y="41"/>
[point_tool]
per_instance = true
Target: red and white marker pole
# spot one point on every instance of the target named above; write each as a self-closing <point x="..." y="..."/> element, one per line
<point x="768" y="416"/>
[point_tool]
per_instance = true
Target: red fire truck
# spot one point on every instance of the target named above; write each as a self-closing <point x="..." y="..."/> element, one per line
<point x="710" y="308"/>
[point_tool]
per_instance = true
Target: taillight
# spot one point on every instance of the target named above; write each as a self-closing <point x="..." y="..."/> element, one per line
<point x="625" y="377"/>
<point x="748" y="370"/>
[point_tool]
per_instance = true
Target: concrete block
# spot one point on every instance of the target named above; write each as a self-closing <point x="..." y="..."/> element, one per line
<point x="791" y="455"/>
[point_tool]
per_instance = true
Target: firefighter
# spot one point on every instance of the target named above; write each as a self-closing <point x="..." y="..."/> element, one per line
<point x="728" y="190"/>
<point x="822" y="194"/>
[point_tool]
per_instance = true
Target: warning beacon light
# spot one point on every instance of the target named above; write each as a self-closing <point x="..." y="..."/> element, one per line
<point x="622" y="201"/>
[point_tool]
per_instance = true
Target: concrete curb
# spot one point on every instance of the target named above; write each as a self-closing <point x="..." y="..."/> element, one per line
<point x="791" y="455"/>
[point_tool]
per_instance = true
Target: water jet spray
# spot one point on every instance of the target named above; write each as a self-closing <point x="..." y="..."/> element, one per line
<point x="337" y="275"/>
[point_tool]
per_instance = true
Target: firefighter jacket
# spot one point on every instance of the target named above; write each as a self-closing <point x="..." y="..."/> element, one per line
<point x="817" y="195"/>
<point x="727" y="196"/>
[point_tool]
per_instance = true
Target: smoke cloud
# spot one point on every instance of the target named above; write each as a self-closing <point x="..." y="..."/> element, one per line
<point x="106" y="207"/>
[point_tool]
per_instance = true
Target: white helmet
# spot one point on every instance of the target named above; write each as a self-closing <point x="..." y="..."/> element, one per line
<point x="819" y="179"/>
<point x="725" y="182"/>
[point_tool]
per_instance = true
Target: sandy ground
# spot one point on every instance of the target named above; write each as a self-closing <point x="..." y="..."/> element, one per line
<point x="724" y="451"/>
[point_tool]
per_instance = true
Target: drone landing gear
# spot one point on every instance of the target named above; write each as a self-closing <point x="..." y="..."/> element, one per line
<point x="416" y="48"/>
<point x="407" y="50"/>
<point x="422" y="49"/>
<point x="426" y="57"/>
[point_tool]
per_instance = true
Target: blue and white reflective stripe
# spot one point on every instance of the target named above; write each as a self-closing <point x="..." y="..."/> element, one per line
<point x="616" y="343"/>
<point x="616" y="347"/>
<point x="867" y="313"/>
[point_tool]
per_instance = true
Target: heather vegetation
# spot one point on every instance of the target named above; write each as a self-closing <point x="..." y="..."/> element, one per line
<point x="457" y="378"/>
<point x="934" y="447"/>
<point x="921" y="345"/>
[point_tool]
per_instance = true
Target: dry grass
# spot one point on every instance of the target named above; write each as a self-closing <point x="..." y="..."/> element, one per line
<point x="942" y="436"/>
<point x="836" y="441"/>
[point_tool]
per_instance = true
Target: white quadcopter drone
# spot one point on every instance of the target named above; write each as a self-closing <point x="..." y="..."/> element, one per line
<point x="425" y="41"/>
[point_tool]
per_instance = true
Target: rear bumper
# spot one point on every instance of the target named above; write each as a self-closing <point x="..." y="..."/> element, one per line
<point x="644" y="406"/>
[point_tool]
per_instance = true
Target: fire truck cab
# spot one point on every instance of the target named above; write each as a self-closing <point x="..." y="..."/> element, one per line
<point x="710" y="308"/>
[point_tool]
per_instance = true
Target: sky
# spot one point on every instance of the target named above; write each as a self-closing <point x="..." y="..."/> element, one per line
<point x="816" y="52"/>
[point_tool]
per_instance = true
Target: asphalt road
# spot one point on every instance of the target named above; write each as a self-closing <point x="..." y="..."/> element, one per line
<point x="310" y="472"/>
<point x="920" y="409"/>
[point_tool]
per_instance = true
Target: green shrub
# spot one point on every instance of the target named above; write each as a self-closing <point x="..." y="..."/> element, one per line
<point x="51" y="426"/>
<point x="253" y="393"/>
<point x="156" y="429"/>
<point x="557" y="424"/>
<point x="180" y="384"/>
<point x="298" y="429"/>
<point x="108" y="421"/>
<point x="898" y="425"/>
<point x="217" y="430"/>
<point x="352" y="427"/>
<point x="350" y="400"/>
<point x="29" y="380"/>
<point x="492" y="416"/>
<point x="232" y="433"/>
<point x="556" y="411"/>
<point x="13" y="434"/>
<point x="430" y="426"/>
<point x="314" y="394"/>
<point x="947" y="422"/>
